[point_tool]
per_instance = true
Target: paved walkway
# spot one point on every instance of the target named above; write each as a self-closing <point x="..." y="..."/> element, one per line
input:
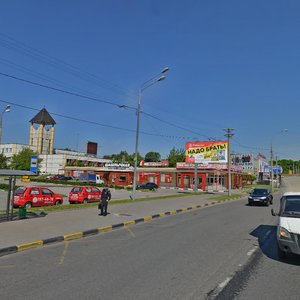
<point x="65" y="223"/>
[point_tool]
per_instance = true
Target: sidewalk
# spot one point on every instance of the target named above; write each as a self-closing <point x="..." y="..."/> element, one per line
<point x="64" y="224"/>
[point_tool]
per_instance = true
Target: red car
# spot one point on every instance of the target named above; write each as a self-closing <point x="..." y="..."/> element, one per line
<point x="84" y="194"/>
<point x="29" y="196"/>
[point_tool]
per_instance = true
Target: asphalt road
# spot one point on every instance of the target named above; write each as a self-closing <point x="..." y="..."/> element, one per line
<point x="192" y="255"/>
<point x="267" y="276"/>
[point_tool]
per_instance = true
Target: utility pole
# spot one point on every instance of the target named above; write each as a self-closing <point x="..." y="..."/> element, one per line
<point x="229" y="135"/>
<point x="271" y="164"/>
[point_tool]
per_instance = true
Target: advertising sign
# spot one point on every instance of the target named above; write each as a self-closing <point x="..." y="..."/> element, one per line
<point x="213" y="152"/>
<point x="246" y="161"/>
<point x="34" y="164"/>
<point x="163" y="163"/>
<point x="92" y="148"/>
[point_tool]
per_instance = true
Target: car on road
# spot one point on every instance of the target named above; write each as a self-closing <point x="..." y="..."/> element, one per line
<point x="31" y="196"/>
<point x="148" y="186"/>
<point x="260" y="196"/>
<point x="288" y="227"/>
<point x="84" y="194"/>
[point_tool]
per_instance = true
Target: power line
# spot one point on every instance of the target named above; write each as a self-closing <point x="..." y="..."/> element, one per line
<point x="66" y="92"/>
<point x="19" y="47"/>
<point x="102" y="101"/>
<point x="96" y="123"/>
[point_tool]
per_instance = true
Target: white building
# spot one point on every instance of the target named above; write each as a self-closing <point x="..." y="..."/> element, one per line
<point x="8" y="150"/>
<point x="56" y="163"/>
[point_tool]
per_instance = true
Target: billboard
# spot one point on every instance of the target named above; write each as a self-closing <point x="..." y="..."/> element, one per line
<point x="244" y="160"/>
<point x="92" y="148"/>
<point x="206" y="152"/>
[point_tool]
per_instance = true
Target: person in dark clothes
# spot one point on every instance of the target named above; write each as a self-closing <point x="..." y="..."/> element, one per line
<point x="105" y="197"/>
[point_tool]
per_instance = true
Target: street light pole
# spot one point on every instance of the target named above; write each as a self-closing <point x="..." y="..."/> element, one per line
<point x="271" y="156"/>
<point x="144" y="86"/>
<point x="7" y="109"/>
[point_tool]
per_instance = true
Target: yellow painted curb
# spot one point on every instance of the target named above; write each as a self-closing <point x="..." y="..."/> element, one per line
<point x="173" y="212"/>
<point x="162" y="214"/>
<point x="73" y="236"/>
<point x="131" y="222"/>
<point x="184" y="209"/>
<point x="147" y="218"/>
<point x="26" y="246"/>
<point x="105" y="228"/>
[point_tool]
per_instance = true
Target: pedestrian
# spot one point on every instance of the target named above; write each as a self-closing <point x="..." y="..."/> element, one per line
<point x="105" y="197"/>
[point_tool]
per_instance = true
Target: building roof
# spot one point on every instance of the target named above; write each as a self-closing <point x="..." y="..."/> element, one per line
<point x="43" y="117"/>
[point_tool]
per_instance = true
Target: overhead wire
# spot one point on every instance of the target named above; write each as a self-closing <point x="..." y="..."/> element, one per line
<point x="93" y="122"/>
<point x="119" y="105"/>
<point x="19" y="47"/>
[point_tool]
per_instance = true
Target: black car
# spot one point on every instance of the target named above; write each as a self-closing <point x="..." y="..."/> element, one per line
<point x="148" y="186"/>
<point x="260" y="196"/>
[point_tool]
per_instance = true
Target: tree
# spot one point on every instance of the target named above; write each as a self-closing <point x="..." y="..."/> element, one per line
<point x="3" y="161"/>
<point x="21" y="161"/>
<point x="123" y="157"/>
<point x="152" y="156"/>
<point x="176" y="155"/>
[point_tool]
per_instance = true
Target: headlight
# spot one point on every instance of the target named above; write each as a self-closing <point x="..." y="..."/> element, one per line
<point x="250" y="198"/>
<point x="263" y="198"/>
<point x="283" y="233"/>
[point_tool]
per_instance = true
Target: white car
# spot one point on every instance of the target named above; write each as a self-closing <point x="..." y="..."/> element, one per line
<point x="288" y="229"/>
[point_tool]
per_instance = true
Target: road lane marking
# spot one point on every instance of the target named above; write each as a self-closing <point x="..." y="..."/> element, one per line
<point x="130" y="231"/>
<point x="249" y="253"/>
<point x="224" y="283"/>
<point x="62" y="258"/>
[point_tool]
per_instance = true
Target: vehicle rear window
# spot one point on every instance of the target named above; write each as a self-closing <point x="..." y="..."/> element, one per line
<point x="76" y="189"/>
<point x="260" y="192"/>
<point x="20" y="191"/>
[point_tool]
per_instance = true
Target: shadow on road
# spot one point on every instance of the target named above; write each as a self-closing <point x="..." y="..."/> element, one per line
<point x="266" y="235"/>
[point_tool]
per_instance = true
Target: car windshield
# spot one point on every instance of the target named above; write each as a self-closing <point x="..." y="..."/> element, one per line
<point x="292" y="206"/>
<point x="76" y="189"/>
<point x="260" y="192"/>
<point x="20" y="191"/>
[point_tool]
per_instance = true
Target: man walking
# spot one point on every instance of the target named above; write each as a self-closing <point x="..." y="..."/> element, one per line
<point x="105" y="197"/>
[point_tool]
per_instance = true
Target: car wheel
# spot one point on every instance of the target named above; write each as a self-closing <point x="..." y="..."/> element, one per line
<point x="57" y="202"/>
<point x="250" y="204"/>
<point x="281" y="254"/>
<point x="267" y="204"/>
<point x="28" y="205"/>
<point x="85" y="201"/>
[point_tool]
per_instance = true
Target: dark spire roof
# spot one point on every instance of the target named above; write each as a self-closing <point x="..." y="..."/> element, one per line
<point x="43" y="117"/>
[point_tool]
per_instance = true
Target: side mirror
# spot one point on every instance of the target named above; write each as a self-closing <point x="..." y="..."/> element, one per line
<point x="273" y="212"/>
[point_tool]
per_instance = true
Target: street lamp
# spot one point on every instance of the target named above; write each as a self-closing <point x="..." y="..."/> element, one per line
<point x="143" y="87"/>
<point x="271" y="156"/>
<point x="7" y="109"/>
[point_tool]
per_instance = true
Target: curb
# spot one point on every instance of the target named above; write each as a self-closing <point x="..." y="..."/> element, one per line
<point x="90" y="232"/>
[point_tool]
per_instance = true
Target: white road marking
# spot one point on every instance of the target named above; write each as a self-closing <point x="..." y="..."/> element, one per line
<point x="224" y="283"/>
<point x="251" y="251"/>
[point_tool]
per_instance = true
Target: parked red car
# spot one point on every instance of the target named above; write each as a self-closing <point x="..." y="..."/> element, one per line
<point x="84" y="194"/>
<point x="29" y="196"/>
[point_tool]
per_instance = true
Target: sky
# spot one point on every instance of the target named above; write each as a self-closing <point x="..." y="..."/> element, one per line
<point x="232" y="64"/>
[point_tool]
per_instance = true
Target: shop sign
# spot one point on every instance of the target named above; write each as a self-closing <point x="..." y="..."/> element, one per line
<point x="163" y="163"/>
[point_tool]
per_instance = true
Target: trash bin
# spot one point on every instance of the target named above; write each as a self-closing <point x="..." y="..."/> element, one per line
<point x="22" y="212"/>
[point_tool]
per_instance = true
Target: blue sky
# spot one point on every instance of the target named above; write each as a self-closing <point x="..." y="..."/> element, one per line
<point x="233" y="64"/>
